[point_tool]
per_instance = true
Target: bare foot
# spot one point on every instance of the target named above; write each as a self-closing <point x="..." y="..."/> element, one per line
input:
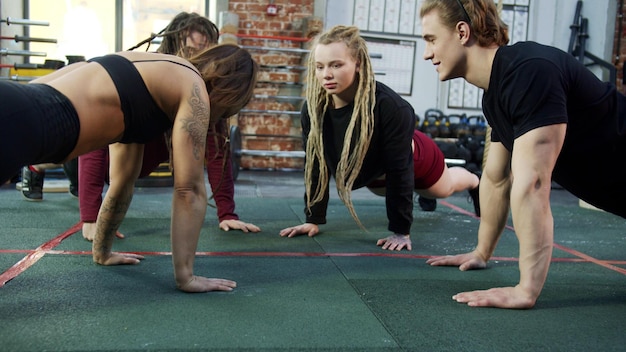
<point x="89" y="231"/>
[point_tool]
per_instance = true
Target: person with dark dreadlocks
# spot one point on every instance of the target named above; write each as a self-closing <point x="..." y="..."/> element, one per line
<point x="363" y="133"/>
<point x="186" y="33"/>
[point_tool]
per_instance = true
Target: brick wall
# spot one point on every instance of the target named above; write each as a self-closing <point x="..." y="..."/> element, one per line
<point x="287" y="22"/>
<point x="619" y="46"/>
<point x="273" y="131"/>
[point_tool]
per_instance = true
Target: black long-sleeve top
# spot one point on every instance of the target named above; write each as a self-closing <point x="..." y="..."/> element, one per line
<point x="389" y="154"/>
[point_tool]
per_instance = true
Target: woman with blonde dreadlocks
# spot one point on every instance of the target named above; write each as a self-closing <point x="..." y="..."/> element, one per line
<point x="362" y="132"/>
<point x="187" y="32"/>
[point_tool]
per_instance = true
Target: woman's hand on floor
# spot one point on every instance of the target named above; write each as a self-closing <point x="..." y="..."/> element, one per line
<point x="233" y="224"/>
<point x="395" y="242"/>
<point x="307" y="228"/>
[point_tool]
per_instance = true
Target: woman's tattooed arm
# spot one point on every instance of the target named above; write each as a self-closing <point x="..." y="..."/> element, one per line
<point x="112" y="213"/>
<point x="197" y="124"/>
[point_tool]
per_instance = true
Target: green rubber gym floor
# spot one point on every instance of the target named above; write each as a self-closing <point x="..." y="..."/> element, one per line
<point x="336" y="291"/>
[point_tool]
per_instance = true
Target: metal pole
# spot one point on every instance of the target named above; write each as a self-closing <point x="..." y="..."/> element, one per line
<point x="26" y="22"/>
<point x="119" y="24"/>
<point x="574" y="28"/>
<point x="26" y="29"/>
<point x="582" y="39"/>
<point x="5" y="51"/>
<point x="19" y="38"/>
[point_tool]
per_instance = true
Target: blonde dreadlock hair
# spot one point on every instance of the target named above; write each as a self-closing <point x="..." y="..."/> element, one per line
<point x="359" y="129"/>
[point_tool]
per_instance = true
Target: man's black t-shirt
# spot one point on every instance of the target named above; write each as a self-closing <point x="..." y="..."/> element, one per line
<point x="534" y="85"/>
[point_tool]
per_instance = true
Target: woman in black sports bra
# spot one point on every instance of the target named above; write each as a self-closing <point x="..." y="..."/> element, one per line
<point x="131" y="97"/>
<point x="186" y="32"/>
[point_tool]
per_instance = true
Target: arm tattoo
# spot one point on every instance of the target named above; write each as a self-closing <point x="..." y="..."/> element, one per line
<point x="112" y="213"/>
<point x="196" y="125"/>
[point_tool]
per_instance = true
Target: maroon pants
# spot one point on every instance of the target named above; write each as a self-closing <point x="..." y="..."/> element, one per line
<point x="93" y="172"/>
<point x="428" y="163"/>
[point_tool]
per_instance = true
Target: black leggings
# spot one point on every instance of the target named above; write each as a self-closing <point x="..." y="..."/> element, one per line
<point x="38" y="124"/>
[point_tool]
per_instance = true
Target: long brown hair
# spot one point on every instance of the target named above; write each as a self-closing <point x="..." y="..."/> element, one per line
<point x="175" y="43"/>
<point x="230" y="74"/>
<point x="487" y="26"/>
<point x="359" y="132"/>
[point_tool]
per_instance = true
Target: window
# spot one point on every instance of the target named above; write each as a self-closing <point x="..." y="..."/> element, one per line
<point x="144" y="17"/>
<point x="81" y="28"/>
<point x="90" y="28"/>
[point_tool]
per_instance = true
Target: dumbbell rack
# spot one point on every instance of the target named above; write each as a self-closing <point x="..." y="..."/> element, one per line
<point x="461" y="138"/>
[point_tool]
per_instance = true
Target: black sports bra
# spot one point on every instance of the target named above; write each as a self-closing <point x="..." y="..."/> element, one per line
<point x="143" y="119"/>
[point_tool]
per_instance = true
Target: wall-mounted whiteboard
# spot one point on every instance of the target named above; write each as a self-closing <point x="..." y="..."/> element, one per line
<point x="387" y="16"/>
<point x="393" y="62"/>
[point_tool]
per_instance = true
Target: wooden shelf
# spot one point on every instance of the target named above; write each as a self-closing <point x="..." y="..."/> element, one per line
<point x="271" y="37"/>
<point x="273" y="112"/>
<point x="268" y="48"/>
<point x="295" y="84"/>
<point x="280" y="97"/>
<point x="284" y="67"/>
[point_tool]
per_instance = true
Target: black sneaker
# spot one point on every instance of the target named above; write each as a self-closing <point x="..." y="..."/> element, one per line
<point x="32" y="184"/>
<point x="71" y="171"/>
<point x="474" y="195"/>
<point x="73" y="190"/>
<point x="427" y="204"/>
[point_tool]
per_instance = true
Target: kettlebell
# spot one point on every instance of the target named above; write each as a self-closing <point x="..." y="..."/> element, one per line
<point x="455" y="120"/>
<point x="433" y="127"/>
<point x="479" y="127"/>
<point x="432" y="121"/>
<point x="471" y="142"/>
<point x="464" y="129"/>
<point x="444" y="127"/>
<point x="449" y="149"/>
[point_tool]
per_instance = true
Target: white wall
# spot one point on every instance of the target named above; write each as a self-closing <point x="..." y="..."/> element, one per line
<point x="549" y="23"/>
